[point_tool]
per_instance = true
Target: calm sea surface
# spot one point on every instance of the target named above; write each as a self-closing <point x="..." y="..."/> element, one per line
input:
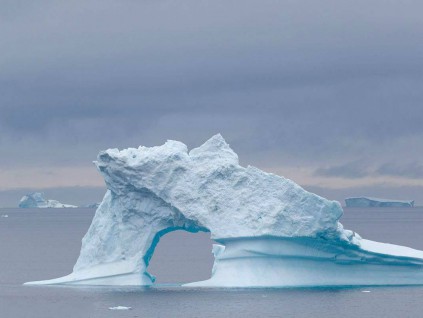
<point x="41" y="244"/>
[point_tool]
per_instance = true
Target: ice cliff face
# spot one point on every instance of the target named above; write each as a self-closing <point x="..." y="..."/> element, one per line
<point x="271" y="231"/>
<point x="37" y="200"/>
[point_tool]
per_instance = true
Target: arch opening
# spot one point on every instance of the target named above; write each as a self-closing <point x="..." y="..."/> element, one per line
<point x="181" y="257"/>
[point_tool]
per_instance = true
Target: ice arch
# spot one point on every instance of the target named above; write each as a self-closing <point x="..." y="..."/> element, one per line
<point x="121" y="240"/>
<point x="272" y="231"/>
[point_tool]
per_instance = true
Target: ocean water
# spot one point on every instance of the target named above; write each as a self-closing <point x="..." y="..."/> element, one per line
<point x="40" y="244"/>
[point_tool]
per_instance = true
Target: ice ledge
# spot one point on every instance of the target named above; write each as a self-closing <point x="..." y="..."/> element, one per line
<point x="306" y="262"/>
<point x="117" y="273"/>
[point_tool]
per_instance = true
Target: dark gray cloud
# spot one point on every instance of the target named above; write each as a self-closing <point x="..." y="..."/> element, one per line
<point x="286" y="83"/>
<point x="350" y="170"/>
<point x="360" y="169"/>
<point x="412" y="170"/>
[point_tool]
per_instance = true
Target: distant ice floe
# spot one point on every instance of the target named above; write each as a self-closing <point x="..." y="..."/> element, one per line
<point x="270" y="231"/>
<point x="366" y="202"/>
<point x="4" y="216"/>
<point x="37" y="200"/>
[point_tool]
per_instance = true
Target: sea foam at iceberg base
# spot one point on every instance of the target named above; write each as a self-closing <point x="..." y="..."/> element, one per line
<point x="270" y="231"/>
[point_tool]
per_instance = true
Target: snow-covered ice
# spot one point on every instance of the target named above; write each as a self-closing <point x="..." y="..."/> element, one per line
<point x="5" y="216"/>
<point x="269" y="230"/>
<point x="364" y="202"/>
<point x="37" y="200"/>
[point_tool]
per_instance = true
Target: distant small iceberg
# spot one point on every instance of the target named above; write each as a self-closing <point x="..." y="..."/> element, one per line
<point x="90" y="206"/>
<point x="366" y="202"/>
<point x="37" y="200"/>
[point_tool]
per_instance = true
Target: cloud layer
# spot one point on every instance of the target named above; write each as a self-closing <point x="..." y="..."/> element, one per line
<point x="331" y="87"/>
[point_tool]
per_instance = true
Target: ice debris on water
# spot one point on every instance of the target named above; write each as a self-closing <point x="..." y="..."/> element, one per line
<point x="120" y="308"/>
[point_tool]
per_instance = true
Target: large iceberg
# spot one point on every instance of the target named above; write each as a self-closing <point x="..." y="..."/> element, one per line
<point x="367" y="202"/>
<point x="269" y="230"/>
<point x="37" y="200"/>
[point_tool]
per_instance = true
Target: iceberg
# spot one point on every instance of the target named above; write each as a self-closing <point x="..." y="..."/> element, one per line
<point x="37" y="200"/>
<point x="367" y="202"/>
<point x="90" y="206"/>
<point x="269" y="231"/>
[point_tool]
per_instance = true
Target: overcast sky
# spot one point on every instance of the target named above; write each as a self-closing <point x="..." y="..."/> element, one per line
<point x="327" y="93"/>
